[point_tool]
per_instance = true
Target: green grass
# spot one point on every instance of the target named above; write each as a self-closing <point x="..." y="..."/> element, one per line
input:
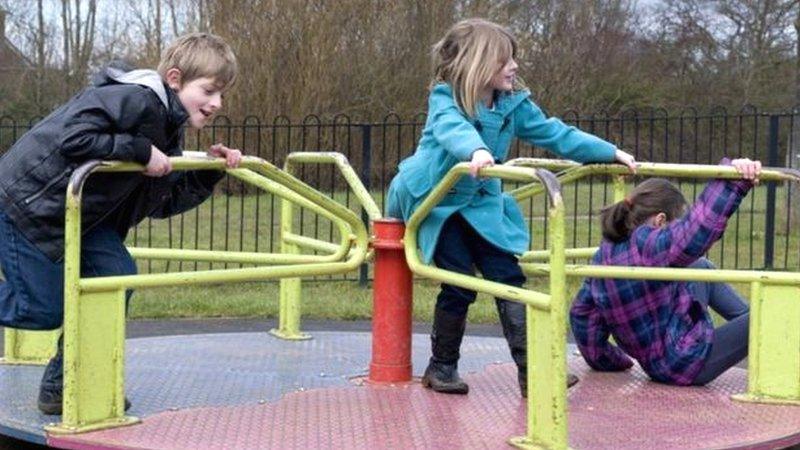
<point x="322" y="300"/>
<point x="338" y="299"/>
<point x="331" y="300"/>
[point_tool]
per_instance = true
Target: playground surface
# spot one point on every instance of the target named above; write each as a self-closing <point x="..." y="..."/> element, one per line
<point x="249" y="390"/>
<point x="217" y="389"/>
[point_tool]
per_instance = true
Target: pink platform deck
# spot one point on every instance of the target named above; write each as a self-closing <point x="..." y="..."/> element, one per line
<point x="606" y="411"/>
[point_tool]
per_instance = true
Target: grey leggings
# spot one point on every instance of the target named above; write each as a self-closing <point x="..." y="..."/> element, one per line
<point x="730" y="340"/>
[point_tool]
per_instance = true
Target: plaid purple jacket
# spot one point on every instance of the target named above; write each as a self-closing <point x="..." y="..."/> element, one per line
<point x="655" y="322"/>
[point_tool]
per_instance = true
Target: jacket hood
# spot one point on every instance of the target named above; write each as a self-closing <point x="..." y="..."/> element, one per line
<point x="117" y="74"/>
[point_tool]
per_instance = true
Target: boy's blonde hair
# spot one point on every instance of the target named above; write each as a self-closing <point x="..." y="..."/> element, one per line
<point x="469" y="55"/>
<point x="199" y="55"/>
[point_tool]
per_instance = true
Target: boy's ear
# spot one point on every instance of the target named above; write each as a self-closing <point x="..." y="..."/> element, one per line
<point x="173" y="77"/>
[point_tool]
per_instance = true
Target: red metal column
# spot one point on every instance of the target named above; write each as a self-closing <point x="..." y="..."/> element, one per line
<point x="391" y="316"/>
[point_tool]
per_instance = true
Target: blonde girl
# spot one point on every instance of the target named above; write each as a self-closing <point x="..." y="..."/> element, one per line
<point x="476" y="106"/>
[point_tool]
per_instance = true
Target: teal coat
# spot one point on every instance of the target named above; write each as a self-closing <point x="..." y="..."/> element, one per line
<point x="451" y="137"/>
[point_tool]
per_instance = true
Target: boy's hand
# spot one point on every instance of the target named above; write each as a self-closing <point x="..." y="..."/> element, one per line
<point x="749" y="169"/>
<point x="480" y="158"/>
<point x="159" y="164"/>
<point x="626" y="159"/>
<point x="232" y="155"/>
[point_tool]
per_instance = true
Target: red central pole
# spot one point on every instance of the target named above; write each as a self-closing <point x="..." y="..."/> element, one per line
<point x="391" y="316"/>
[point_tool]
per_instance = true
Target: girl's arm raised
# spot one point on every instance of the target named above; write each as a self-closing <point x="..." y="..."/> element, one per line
<point x="684" y="240"/>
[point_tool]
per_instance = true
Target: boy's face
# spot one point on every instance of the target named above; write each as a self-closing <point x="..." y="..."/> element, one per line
<point x="201" y="98"/>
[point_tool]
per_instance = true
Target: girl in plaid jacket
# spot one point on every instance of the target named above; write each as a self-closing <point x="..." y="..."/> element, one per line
<point x="664" y="325"/>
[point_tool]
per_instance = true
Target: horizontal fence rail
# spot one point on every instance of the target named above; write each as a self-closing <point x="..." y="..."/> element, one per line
<point x="764" y="233"/>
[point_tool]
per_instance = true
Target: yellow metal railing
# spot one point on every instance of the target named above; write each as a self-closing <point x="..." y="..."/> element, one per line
<point x="292" y="244"/>
<point x="546" y="313"/>
<point x="774" y="359"/>
<point x="774" y="347"/>
<point x="94" y="316"/>
<point x="94" y="307"/>
<point x="28" y="347"/>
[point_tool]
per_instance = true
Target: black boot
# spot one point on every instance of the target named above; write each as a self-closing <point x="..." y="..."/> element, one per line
<point x="441" y="375"/>
<point x="51" y="390"/>
<point x="513" y="320"/>
<point x="52" y="386"/>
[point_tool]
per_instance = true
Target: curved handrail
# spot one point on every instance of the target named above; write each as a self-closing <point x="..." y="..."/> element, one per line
<point x="191" y="161"/>
<point x="248" y="176"/>
<point x="546" y="313"/>
<point x="574" y="171"/>
<point x="280" y="183"/>
<point x="772" y="378"/>
<point x="353" y="181"/>
<point x="100" y="301"/>
<point x="340" y="161"/>
<point x="543" y="163"/>
<point x="535" y="299"/>
<point x="547" y="405"/>
<point x="288" y="194"/>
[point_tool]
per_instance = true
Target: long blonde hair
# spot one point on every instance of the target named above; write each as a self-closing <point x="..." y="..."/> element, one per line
<point x="469" y="55"/>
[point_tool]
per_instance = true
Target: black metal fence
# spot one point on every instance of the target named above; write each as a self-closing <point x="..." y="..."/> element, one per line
<point x="761" y="235"/>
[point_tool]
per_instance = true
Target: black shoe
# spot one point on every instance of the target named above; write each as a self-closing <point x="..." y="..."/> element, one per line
<point x="51" y="399"/>
<point x="444" y="378"/>
<point x="51" y="390"/>
<point x="572" y="380"/>
<point x="51" y="387"/>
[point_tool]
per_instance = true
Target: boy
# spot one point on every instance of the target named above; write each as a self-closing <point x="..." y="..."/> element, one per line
<point x="135" y="116"/>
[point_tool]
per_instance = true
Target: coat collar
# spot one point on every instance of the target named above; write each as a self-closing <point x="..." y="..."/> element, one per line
<point x="504" y="104"/>
<point x="175" y="111"/>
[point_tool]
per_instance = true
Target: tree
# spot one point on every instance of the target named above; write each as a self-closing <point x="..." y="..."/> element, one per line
<point x="78" y="38"/>
<point x="365" y="58"/>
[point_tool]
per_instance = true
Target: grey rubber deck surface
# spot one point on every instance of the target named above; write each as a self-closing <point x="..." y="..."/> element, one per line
<point x="185" y="371"/>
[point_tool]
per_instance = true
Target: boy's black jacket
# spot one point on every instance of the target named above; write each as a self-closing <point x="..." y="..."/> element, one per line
<point x="111" y="121"/>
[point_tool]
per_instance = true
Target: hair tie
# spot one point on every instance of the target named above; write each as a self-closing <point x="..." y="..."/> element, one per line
<point x="628" y="202"/>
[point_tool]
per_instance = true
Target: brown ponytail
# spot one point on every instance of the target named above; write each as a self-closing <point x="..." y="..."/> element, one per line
<point x="651" y="197"/>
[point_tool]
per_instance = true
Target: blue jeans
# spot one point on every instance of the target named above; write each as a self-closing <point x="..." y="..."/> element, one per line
<point x="731" y="339"/>
<point x="32" y="295"/>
